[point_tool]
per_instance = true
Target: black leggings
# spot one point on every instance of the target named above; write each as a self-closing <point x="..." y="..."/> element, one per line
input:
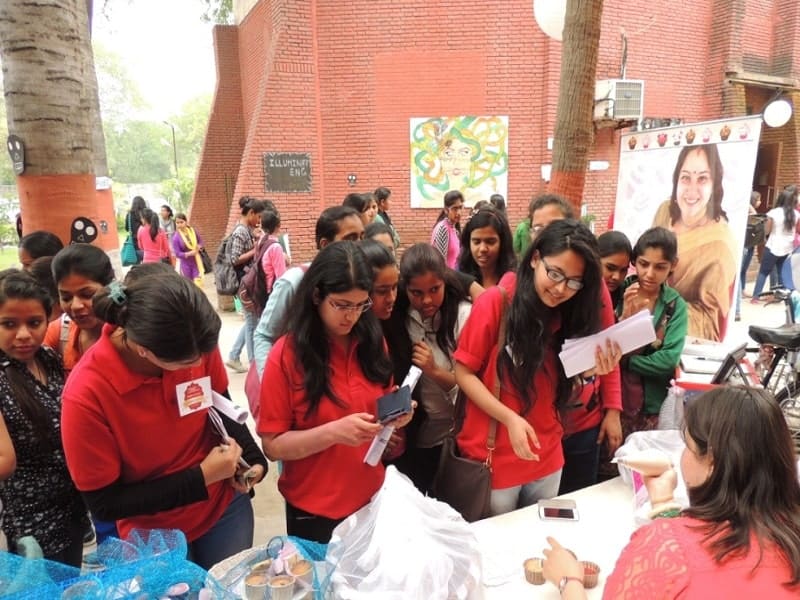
<point x="302" y="524"/>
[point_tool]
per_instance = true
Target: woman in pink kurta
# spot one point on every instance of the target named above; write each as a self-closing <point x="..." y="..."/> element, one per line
<point x="152" y="239"/>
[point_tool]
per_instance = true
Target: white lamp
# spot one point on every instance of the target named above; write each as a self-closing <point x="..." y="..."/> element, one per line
<point x="549" y="15"/>
<point x="778" y="112"/>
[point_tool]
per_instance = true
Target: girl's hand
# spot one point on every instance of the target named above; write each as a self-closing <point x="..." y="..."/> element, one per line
<point x="245" y="479"/>
<point x="355" y="429"/>
<point x="222" y="462"/>
<point x="422" y="357"/>
<point x="606" y="360"/>
<point x="661" y="489"/>
<point x="559" y="562"/>
<point x="521" y="433"/>
<point x="632" y="302"/>
<point x="405" y="419"/>
<point x="610" y="431"/>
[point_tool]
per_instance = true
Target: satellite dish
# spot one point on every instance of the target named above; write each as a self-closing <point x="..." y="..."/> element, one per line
<point x="549" y="15"/>
<point x="777" y="113"/>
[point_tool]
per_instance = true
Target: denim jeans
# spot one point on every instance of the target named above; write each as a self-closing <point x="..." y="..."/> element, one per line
<point x="768" y="261"/>
<point x="581" y="459"/>
<point x="232" y="533"/>
<point x="507" y="499"/>
<point x="245" y="337"/>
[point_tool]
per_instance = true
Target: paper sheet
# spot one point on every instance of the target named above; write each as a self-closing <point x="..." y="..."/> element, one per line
<point x="577" y="354"/>
<point x="228" y="408"/>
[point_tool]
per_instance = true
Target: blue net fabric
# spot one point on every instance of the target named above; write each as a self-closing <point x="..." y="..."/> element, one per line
<point x="148" y="564"/>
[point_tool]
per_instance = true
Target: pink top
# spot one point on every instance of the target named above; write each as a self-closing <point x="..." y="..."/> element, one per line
<point x="273" y="263"/>
<point x="154" y="250"/>
<point x="446" y="240"/>
<point x="668" y="559"/>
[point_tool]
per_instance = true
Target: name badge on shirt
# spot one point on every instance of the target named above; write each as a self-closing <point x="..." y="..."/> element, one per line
<point x="193" y="395"/>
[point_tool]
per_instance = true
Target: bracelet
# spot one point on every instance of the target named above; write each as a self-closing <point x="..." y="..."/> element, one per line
<point x="562" y="584"/>
<point x="670" y="513"/>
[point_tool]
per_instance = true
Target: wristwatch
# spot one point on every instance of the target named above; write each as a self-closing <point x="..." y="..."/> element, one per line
<point x="562" y="585"/>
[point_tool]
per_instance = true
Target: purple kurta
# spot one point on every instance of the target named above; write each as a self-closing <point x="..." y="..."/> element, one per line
<point x="188" y="264"/>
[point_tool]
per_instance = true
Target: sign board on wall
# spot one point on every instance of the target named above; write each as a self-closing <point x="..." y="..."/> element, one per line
<point x="694" y="179"/>
<point x="287" y="172"/>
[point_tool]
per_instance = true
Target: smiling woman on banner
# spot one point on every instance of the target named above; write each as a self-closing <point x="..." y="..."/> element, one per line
<point x="705" y="274"/>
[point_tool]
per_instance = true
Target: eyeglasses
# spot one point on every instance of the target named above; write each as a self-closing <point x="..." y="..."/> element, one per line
<point x="558" y="277"/>
<point x="359" y="308"/>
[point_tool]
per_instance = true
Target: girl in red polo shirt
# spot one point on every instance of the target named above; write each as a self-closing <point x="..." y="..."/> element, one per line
<point x="553" y="297"/>
<point x="318" y="399"/>
<point x="137" y="437"/>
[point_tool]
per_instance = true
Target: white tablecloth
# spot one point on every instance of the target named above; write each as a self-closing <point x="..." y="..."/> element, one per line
<point x="604" y="528"/>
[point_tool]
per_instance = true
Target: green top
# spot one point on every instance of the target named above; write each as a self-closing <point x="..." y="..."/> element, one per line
<point x="657" y="365"/>
<point x="522" y="238"/>
<point x="395" y="236"/>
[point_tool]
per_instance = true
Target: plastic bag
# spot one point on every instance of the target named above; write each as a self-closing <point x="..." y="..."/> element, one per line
<point x="403" y="545"/>
<point x="671" y="414"/>
<point x="668" y="441"/>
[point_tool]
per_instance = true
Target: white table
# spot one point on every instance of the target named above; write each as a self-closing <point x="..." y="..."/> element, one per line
<point x="605" y="526"/>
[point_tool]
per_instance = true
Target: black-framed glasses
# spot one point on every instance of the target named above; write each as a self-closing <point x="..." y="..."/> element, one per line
<point x="359" y="308"/>
<point x="557" y="277"/>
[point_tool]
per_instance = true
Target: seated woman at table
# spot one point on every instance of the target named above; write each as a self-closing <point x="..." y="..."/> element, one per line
<point x="322" y="381"/>
<point x="553" y="297"/>
<point x="646" y="373"/>
<point x="740" y="536"/>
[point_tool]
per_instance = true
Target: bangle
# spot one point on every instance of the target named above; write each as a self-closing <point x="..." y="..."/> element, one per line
<point x="670" y="513"/>
<point x="562" y="584"/>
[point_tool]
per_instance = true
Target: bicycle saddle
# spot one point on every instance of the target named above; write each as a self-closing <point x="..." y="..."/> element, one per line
<point x="785" y="336"/>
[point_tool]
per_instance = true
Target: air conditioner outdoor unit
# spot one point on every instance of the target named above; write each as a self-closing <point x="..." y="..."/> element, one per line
<point x="618" y="99"/>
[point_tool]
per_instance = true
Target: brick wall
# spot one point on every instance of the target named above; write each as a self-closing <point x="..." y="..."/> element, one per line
<point x="340" y="81"/>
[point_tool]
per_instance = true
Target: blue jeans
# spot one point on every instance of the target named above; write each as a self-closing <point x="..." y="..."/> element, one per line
<point x="581" y="459"/>
<point x="232" y="533"/>
<point x="245" y="338"/>
<point x="505" y="500"/>
<point x="768" y="261"/>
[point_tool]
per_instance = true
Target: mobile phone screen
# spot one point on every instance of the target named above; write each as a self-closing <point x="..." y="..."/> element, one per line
<point x="559" y="513"/>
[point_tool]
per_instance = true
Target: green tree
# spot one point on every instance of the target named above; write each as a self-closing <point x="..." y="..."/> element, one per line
<point x="218" y="11"/>
<point x="190" y="130"/>
<point x="179" y="191"/>
<point x="138" y="152"/>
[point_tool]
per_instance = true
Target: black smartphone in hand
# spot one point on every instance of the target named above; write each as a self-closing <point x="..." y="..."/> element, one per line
<point x="394" y="404"/>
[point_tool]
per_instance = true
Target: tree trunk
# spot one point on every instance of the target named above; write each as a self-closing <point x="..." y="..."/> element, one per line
<point x="574" y="131"/>
<point x="51" y="101"/>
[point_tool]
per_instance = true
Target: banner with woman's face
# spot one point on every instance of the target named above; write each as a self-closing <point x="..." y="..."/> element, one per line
<point x="694" y="179"/>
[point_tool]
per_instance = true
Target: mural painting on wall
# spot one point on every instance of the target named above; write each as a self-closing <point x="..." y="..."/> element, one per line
<point x="694" y="179"/>
<point x="469" y="154"/>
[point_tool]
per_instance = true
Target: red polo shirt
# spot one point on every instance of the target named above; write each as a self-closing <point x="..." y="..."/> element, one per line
<point x="336" y="482"/>
<point x="477" y="350"/>
<point x="120" y="425"/>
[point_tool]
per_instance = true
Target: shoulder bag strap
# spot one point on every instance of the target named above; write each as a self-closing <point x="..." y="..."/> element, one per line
<point x="501" y="338"/>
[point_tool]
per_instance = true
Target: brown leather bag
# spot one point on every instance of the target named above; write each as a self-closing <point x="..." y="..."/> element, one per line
<point x="464" y="483"/>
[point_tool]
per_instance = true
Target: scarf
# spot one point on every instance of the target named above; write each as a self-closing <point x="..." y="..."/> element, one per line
<point x="190" y="241"/>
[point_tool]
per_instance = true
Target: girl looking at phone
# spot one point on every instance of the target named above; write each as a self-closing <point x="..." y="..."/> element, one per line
<point x="319" y="401"/>
<point x="553" y="297"/>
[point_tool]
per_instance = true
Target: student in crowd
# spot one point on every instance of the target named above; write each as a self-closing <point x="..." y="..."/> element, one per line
<point x="552" y="297"/>
<point x="646" y="373"/>
<point x="43" y="274"/>
<point x="133" y="221"/>
<point x="782" y="223"/>
<point x="37" y="244"/>
<point x="386" y="279"/>
<point x="486" y="247"/>
<point x="242" y="250"/>
<point x="137" y="445"/>
<point x="431" y="311"/>
<point x="522" y="234"/>
<point x="740" y="536"/>
<point x="273" y="259"/>
<point x="334" y="224"/>
<point x="364" y="204"/>
<point x="498" y="202"/>
<point x="596" y="418"/>
<point x="318" y="411"/>
<point x="615" y="257"/>
<point x="380" y="233"/>
<point x="39" y="498"/>
<point x="383" y="195"/>
<point x="187" y="245"/>
<point x="166" y="220"/>
<point x="447" y="231"/>
<point x="152" y="239"/>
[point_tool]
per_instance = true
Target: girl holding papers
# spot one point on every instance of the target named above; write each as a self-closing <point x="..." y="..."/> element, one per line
<point x="553" y="297"/>
<point x="647" y="372"/>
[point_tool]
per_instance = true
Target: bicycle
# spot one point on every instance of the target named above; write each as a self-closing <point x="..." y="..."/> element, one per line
<point x="778" y="363"/>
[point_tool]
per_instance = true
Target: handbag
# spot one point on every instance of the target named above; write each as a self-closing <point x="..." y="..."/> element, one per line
<point x="128" y="253"/>
<point x="464" y="483"/>
<point x="208" y="266"/>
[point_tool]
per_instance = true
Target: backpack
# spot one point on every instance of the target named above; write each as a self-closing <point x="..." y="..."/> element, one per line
<point x="253" y="288"/>
<point x="225" y="279"/>
<point x="756" y="231"/>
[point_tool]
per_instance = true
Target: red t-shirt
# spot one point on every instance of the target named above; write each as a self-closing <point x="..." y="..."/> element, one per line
<point x="668" y="559"/>
<point x="336" y="482"/>
<point x="477" y="350"/>
<point x="120" y="425"/>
